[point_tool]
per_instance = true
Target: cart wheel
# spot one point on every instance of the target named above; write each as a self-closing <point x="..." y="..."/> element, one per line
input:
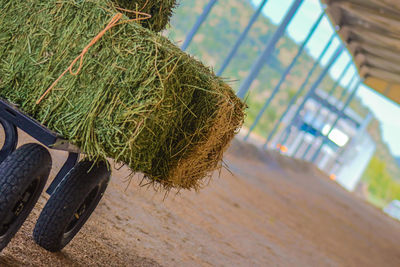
<point x="23" y="176"/>
<point x="71" y="205"/>
<point x="10" y="139"/>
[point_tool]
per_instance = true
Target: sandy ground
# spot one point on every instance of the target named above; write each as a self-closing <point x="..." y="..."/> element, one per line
<point x="268" y="211"/>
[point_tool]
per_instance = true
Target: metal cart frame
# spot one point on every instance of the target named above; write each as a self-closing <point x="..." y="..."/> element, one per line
<point x="74" y="193"/>
<point x="11" y="119"/>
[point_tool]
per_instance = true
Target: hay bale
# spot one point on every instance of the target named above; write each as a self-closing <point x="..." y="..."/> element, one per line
<point x="138" y="99"/>
<point x="160" y="11"/>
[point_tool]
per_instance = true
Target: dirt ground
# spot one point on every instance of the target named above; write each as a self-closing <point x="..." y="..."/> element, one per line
<point x="267" y="211"/>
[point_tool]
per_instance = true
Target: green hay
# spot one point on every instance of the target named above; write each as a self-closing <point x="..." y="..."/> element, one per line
<point x="161" y="11"/>
<point x="138" y="99"/>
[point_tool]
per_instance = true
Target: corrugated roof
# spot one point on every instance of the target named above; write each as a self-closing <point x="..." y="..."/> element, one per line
<point x="371" y="30"/>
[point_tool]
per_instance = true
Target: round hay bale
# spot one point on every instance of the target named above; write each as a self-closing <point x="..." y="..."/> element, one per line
<point x="138" y="98"/>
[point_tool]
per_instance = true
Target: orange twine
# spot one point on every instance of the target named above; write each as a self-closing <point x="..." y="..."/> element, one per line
<point x="113" y="22"/>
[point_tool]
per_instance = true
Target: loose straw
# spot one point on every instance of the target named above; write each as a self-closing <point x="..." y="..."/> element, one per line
<point x="113" y="22"/>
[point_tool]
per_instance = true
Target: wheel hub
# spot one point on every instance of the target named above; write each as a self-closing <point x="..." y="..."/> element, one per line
<point x="20" y="205"/>
<point x="82" y="209"/>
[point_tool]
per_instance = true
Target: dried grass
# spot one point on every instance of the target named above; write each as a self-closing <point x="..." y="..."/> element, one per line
<point x="138" y="99"/>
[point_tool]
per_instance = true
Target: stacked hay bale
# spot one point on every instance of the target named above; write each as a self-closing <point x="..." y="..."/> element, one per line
<point x="138" y="98"/>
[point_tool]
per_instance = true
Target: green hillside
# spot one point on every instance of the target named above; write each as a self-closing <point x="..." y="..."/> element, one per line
<point x="217" y="36"/>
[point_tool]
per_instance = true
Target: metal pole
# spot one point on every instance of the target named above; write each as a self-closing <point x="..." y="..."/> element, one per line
<point x="349" y="99"/>
<point x="241" y="38"/>
<point x="321" y="77"/>
<point x="341" y="77"/>
<point x="285" y="74"/>
<point x="255" y="70"/>
<point x="198" y="24"/>
<point x="315" y="117"/>
<point x="302" y="87"/>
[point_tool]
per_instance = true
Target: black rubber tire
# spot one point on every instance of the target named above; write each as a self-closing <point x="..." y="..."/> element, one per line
<point x="71" y="205"/>
<point x="23" y="175"/>
<point x="10" y="140"/>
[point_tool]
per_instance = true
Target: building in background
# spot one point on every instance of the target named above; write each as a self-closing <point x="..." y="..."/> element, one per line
<point x="347" y="148"/>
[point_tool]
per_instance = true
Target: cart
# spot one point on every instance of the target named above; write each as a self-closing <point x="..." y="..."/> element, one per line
<point x="74" y="193"/>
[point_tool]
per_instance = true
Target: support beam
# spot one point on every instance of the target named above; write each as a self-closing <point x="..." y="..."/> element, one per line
<point x="241" y="38"/>
<point x="198" y="24"/>
<point x="286" y="73"/>
<point x="302" y="87"/>
<point x="321" y="77"/>
<point x="349" y="99"/>
<point x="383" y="17"/>
<point x="257" y="66"/>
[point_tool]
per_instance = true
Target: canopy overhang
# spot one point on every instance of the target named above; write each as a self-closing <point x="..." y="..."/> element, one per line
<point x="371" y="31"/>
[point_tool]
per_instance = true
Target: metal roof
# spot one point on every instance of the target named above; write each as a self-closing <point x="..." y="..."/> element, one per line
<point x="371" y="30"/>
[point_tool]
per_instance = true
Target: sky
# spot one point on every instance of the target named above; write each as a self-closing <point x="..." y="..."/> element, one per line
<point x="386" y="111"/>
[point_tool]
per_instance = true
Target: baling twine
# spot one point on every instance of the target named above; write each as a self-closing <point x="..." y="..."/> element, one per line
<point x="115" y="21"/>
